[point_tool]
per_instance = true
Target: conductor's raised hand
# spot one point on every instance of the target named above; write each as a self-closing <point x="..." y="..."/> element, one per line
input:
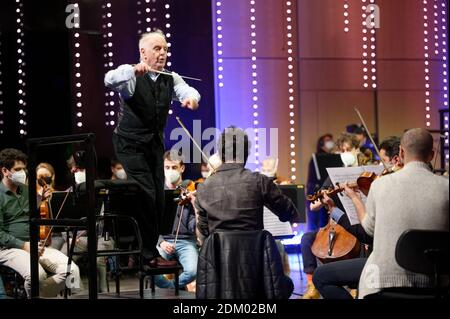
<point x="190" y="103"/>
<point x="141" y="68"/>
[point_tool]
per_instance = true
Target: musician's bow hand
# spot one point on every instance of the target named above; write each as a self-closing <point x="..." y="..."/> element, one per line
<point x="47" y="192"/>
<point x="190" y="103"/>
<point x="168" y="248"/>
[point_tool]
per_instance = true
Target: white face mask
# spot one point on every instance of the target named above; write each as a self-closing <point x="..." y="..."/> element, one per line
<point x="19" y="177"/>
<point x="121" y="174"/>
<point x="348" y="159"/>
<point x="205" y="174"/>
<point x="172" y="176"/>
<point x="329" y="145"/>
<point x="80" y="177"/>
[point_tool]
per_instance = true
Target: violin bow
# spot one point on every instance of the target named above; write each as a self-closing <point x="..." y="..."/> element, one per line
<point x="181" y="207"/>
<point x="371" y="139"/>
<point x="57" y="215"/>
<point x="195" y="143"/>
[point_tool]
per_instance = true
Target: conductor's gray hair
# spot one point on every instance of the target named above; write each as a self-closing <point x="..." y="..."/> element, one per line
<point x="148" y="35"/>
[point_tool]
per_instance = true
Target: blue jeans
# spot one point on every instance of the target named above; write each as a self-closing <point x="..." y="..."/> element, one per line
<point x="186" y="252"/>
<point x="2" y="289"/>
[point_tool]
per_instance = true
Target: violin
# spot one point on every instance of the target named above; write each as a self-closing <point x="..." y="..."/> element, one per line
<point x="186" y="191"/>
<point x="330" y="192"/>
<point x="334" y="243"/>
<point x="44" y="211"/>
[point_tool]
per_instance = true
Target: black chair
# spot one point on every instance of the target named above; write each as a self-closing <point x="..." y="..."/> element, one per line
<point x="14" y="283"/>
<point x="154" y="271"/>
<point x="424" y="252"/>
<point x="241" y="265"/>
<point x="117" y="222"/>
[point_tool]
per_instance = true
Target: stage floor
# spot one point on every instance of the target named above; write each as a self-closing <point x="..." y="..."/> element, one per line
<point x="129" y="286"/>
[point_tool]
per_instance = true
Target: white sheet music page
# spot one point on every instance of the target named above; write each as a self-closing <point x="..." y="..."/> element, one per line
<point x="273" y="225"/>
<point x="340" y="175"/>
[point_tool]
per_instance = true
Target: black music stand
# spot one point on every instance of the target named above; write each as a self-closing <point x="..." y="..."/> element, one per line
<point x="85" y="141"/>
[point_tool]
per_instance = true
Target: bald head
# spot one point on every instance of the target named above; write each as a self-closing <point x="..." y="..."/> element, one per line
<point x="417" y="144"/>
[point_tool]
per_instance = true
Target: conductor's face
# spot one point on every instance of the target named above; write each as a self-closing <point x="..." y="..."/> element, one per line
<point x="154" y="52"/>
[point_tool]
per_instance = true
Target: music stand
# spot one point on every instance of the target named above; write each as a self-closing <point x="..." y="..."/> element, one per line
<point x="322" y="161"/>
<point x="170" y="210"/>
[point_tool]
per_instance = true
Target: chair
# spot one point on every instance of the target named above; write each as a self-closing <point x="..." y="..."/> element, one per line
<point x="154" y="271"/>
<point x="14" y="284"/>
<point x="424" y="252"/>
<point x="241" y="265"/>
<point x="119" y="199"/>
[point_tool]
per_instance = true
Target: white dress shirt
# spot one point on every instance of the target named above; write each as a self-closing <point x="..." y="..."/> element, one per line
<point x="123" y="80"/>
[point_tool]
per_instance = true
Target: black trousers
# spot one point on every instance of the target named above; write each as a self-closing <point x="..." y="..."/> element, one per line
<point x="330" y="279"/>
<point x="144" y="164"/>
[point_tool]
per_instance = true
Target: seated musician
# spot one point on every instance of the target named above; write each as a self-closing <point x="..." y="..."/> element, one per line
<point x="81" y="241"/>
<point x="348" y="146"/>
<point x="233" y="197"/>
<point x="117" y="171"/>
<point x="15" y="235"/>
<point x="330" y="279"/>
<point x="365" y="144"/>
<point x="181" y="243"/>
<point x="324" y="145"/>
<point x="396" y="203"/>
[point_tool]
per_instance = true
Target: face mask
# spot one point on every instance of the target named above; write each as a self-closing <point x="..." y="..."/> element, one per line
<point x="348" y="159"/>
<point x="329" y="145"/>
<point x="205" y="174"/>
<point x="19" y="177"/>
<point x="172" y="176"/>
<point x="80" y="177"/>
<point x="121" y="174"/>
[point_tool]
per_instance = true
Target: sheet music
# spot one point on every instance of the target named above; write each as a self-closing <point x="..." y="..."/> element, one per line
<point x="350" y="174"/>
<point x="273" y="225"/>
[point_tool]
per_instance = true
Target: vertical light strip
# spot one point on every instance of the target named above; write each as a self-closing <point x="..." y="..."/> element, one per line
<point x="21" y="95"/>
<point x="77" y="71"/>
<point x="254" y="85"/>
<point x="219" y="39"/>
<point x="291" y="98"/>
<point x="2" y="123"/>
<point x="443" y="18"/>
<point x="444" y="43"/>
<point x="426" y="24"/>
<point x="346" y="17"/>
<point x="369" y="46"/>
<point x="108" y="61"/>
<point x="168" y="34"/>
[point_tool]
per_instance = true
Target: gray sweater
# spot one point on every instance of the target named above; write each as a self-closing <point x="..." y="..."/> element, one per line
<point x="412" y="198"/>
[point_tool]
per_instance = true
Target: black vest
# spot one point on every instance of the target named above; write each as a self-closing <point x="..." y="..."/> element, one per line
<point x="145" y="113"/>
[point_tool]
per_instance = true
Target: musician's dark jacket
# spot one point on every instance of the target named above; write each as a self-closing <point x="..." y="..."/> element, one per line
<point x="233" y="199"/>
<point x="241" y="265"/>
